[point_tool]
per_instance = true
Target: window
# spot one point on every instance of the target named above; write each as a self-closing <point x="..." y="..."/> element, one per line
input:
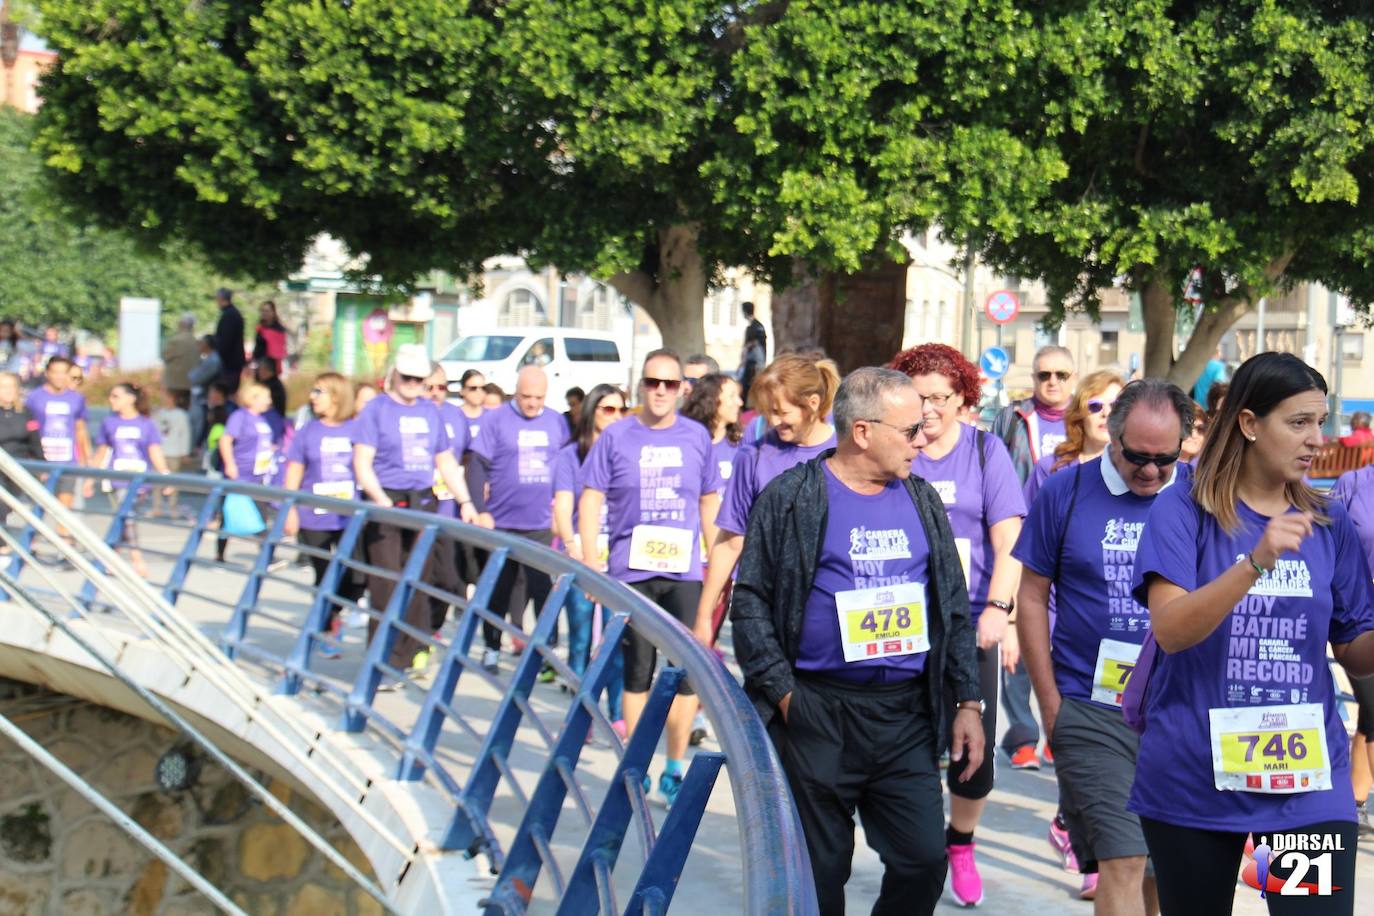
<point x="586" y="350"/>
<point x="1352" y="346"/>
<point x="521" y="307"/>
<point x="540" y="353"/>
<point x="1108" y="349"/>
<point x="481" y="348"/>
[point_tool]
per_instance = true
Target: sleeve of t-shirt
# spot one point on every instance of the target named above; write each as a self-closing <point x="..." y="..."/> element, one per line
<point x="1169" y="545"/>
<point x="442" y="441"/>
<point x="1344" y="490"/>
<point x="565" y="471"/>
<point x="153" y="433"/>
<point x="461" y="438"/>
<point x="711" y="481"/>
<point x="739" y="492"/>
<point x="598" y="470"/>
<point x="1002" y="498"/>
<point x="484" y="443"/>
<point x="367" y="430"/>
<point x="102" y="435"/>
<point x="1043" y="530"/>
<point x="1352" y="600"/>
<point x="1034" y="480"/>
<point x="295" y="452"/>
<point x="80" y="413"/>
<point x="237" y="423"/>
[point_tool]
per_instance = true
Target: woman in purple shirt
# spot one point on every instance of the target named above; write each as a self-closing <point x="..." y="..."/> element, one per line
<point x="1247" y="578"/>
<point x="715" y="403"/>
<point x="973" y="473"/>
<point x="795" y="394"/>
<point x="320" y="461"/>
<point x="128" y="440"/>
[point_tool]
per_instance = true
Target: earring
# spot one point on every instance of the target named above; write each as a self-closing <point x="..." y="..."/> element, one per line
<point x="1252" y="438"/>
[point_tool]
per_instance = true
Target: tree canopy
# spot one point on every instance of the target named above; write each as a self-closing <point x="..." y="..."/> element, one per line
<point x="55" y="269"/>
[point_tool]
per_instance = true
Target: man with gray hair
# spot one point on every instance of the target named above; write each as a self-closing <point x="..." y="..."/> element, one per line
<point x="852" y="627"/>
<point x="180" y="354"/>
<point x="1080" y="537"/>
<point x="696" y="366"/>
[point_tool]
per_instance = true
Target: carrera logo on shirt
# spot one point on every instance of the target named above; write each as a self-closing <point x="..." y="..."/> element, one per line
<point x="1122" y="535"/>
<point x="532" y="438"/>
<point x="128" y="432"/>
<point x="948" y="490"/>
<point x="412" y="425"/>
<point x="660" y="456"/>
<point x="58" y="407"/>
<point x="335" y="444"/>
<point x="1288" y="579"/>
<point x="878" y="544"/>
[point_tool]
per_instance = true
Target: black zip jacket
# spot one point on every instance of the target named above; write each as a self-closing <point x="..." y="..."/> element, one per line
<point x="778" y="565"/>
<point x="19" y="434"/>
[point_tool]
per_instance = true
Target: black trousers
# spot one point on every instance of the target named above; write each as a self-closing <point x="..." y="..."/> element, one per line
<point x="870" y="748"/>
<point x="352" y="584"/>
<point x="516" y="586"/>
<point x="390" y="547"/>
<point x="1196" y="870"/>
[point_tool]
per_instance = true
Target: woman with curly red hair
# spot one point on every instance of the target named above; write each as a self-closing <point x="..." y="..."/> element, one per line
<point x="973" y="473"/>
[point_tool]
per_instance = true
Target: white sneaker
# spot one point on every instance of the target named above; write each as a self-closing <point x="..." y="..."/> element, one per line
<point x="491" y="659"/>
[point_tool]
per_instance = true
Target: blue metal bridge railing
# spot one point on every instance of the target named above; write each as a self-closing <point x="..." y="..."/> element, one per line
<point x="469" y="732"/>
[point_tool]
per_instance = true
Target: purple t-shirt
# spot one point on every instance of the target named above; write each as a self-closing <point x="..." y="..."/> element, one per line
<point x="755" y="467"/>
<point x="128" y="441"/>
<point x="1092" y="596"/>
<point x="1040" y="473"/>
<point x="57" y="416"/>
<point x="1355" y="491"/>
<point x="474" y="424"/>
<point x="724" y="452"/>
<point x="975" y="501"/>
<point x="566" y="466"/>
<point x="406" y="437"/>
<point x="1269" y="650"/>
<point x="253" y="449"/>
<point x="652" y="477"/>
<point x="326" y="454"/>
<point x="858" y="554"/>
<point x="1045" y="434"/>
<point x="456" y="425"/>
<point x="521" y="450"/>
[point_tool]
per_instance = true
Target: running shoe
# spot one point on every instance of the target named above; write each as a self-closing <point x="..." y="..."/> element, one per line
<point x="965" y="884"/>
<point x="669" y="785"/>
<point x="1089" y="889"/>
<point x="546" y="674"/>
<point x="1025" y="758"/>
<point x="618" y="726"/>
<point x="328" y="651"/>
<point x="698" y="730"/>
<point x="421" y="660"/>
<point x="491" y="659"/>
<point x="1059" y="839"/>
<point x="1047" y="755"/>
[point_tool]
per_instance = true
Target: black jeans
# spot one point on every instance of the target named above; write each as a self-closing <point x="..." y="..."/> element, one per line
<point x="873" y="748"/>
<point x="516" y="586"/>
<point x="352" y="584"/>
<point x="389" y="547"/>
<point x="1196" y="870"/>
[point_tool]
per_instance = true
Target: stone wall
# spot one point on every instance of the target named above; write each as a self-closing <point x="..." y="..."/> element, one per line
<point x="59" y="855"/>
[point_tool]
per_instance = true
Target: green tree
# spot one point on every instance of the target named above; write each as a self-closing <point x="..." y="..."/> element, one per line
<point x="55" y="269"/>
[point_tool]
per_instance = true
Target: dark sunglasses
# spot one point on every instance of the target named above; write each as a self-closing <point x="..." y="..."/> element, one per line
<point x="437" y="387"/>
<point x="1097" y="405"/>
<point x="474" y="387"/>
<point x="910" y="432"/>
<point x="1060" y="374"/>
<point x="609" y="409"/>
<point x="671" y="384"/>
<point x="1140" y="459"/>
<point x="412" y="379"/>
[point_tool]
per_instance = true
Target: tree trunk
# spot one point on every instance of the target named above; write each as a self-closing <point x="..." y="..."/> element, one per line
<point x="1202" y="344"/>
<point x="862" y="315"/>
<point x="675" y="294"/>
<point x="796" y="312"/>
<point x="1161" y="315"/>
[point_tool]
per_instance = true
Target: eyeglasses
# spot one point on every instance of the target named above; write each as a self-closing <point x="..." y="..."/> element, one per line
<point x="609" y="410"/>
<point x="410" y="379"/>
<point x="910" y="432"/>
<point x="1060" y="374"/>
<point x="1140" y="459"/>
<point x="437" y="387"/>
<point x="474" y="387"/>
<point x="671" y="384"/>
<point x="939" y="400"/>
<point x="1097" y="405"/>
<point x="316" y="392"/>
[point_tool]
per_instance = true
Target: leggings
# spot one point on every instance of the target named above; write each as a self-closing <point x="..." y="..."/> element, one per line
<point x="1196" y="870"/>
<point x="1363" y="688"/>
<point x="980" y="783"/>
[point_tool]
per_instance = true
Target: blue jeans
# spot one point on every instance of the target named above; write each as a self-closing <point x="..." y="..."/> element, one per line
<point x="1022" y="729"/>
<point x="579" y="608"/>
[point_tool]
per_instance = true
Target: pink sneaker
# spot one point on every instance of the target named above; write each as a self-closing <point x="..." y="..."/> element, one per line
<point x="1089" y="890"/>
<point x="619" y="726"/>
<point x="964" y="881"/>
<point x="1059" y="839"/>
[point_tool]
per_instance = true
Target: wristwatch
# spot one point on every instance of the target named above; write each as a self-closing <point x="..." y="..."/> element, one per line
<point x="1007" y="606"/>
<point x="982" y="707"/>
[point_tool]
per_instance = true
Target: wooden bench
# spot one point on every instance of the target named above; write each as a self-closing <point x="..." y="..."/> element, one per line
<point x="1333" y="460"/>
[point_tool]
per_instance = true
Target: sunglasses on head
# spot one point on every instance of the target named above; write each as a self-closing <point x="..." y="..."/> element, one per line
<point x="670" y="384"/>
<point x="609" y="409"/>
<point x="1140" y="459"/>
<point x="1097" y="405"/>
<point x="411" y="379"/>
<point x="1060" y="374"/>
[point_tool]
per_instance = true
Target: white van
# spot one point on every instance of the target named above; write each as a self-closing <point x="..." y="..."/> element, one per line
<point x="570" y="357"/>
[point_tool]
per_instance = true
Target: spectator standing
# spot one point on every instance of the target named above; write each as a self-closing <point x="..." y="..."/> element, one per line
<point x="1360" y="433"/>
<point x="1212" y="373"/>
<point x="755" y="355"/>
<point x="174" y="428"/>
<point x="8" y="341"/>
<point x="204" y="374"/>
<point x="229" y="340"/>
<point x="180" y="355"/>
<point x="267" y="372"/>
<point x="270" y="337"/>
<point x="52" y="345"/>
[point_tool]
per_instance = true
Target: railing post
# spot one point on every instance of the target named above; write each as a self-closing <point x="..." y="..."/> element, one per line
<point x="370" y="675"/>
<point x="182" y="567"/>
<point x="486" y="775"/>
<point x="298" y="662"/>
<point x="113" y="535"/>
<point x="26" y="536"/>
<point x="663" y="868"/>
<point x="237" y="627"/>
<point x="425" y="735"/>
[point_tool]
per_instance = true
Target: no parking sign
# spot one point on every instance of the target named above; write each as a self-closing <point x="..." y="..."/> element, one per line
<point x="1002" y="306"/>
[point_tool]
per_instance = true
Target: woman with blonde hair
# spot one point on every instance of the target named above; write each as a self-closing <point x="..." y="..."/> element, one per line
<point x="1085" y="428"/>
<point x="795" y="394"/>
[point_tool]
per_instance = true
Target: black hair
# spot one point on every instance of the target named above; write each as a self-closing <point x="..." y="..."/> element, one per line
<point x="703" y="404"/>
<point x="584" y="426"/>
<point x="469" y="374"/>
<point x="747" y="308"/>
<point x="575" y="391"/>
<point x="140" y="396"/>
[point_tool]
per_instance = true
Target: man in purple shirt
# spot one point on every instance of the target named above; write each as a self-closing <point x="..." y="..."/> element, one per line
<point x="510" y="476"/>
<point x="61" y="416"/>
<point x="661" y="488"/>
<point x="1081" y="538"/>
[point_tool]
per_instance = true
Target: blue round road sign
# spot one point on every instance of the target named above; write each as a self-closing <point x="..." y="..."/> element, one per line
<point x="995" y="362"/>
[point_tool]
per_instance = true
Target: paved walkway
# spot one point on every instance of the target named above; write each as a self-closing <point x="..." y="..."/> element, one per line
<point x="1021" y="873"/>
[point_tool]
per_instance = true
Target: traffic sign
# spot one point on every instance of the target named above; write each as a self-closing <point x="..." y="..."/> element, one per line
<point x="1002" y="306"/>
<point x="995" y="362"/>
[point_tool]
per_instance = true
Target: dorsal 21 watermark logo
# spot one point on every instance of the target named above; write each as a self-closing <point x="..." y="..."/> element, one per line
<point x="1301" y="854"/>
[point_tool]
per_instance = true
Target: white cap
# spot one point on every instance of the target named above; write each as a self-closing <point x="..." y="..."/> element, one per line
<point x="412" y="360"/>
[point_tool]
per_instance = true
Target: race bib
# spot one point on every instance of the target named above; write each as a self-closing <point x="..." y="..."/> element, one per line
<point x="965" y="548"/>
<point x="657" y="548"/>
<point x="1273" y="750"/>
<point x="57" y="448"/>
<point x="133" y="465"/>
<point x="883" y="622"/>
<point x="335" y="489"/>
<point x="262" y="464"/>
<point x="1115" y="662"/>
<point x="441" y="490"/>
